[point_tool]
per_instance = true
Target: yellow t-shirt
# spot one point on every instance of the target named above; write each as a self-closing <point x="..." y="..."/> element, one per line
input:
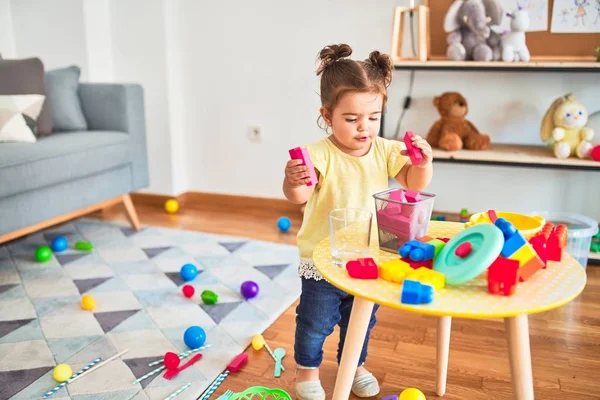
<point x="346" y="182"/>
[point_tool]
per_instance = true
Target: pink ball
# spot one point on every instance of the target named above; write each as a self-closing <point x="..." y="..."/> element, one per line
<point x="188" y="291"/>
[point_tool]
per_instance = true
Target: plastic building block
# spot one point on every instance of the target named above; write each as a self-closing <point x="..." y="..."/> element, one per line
<point x="425" y="239"/>
<point x="531" y="267"/>
<point x="492" y="215"/>
<point x="444" y="239"/>
<point x="538" y="243"/>
<point x="413" y="152"/>
<point x="464" y="250"/>
<point x="418" y="264"/>
<point x="414" y="292"/>
<point x="395" y="208"/>
<point x="417" y="251"/>
<point x="438" y="245"/>
<point x="363" y="268"/>
<point x="237" y="363"/>
<point x="394" y="271"/>
<point x="503" y="276"/>
<point x="557" y="242"/>
<point x="513" y="240"/>
<point x="524" y="254"/>
<point x="429" y="277"/>
<point x="412" y="196"/>
<point x="299" y="153"/>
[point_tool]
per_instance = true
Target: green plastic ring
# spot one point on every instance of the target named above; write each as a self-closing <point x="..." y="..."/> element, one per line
<point x="487" y="241"/>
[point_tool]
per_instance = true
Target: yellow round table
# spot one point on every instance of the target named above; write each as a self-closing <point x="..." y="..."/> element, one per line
<point x="550" y="288"/>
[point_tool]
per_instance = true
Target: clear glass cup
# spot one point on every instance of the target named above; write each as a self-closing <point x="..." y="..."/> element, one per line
<point x="350" y="232"/>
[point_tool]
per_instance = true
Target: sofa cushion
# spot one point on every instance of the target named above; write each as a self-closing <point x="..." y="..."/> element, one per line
<point x="58" y="158"/>
<point x="26" y="76"/>
<point x="62" y="90"/>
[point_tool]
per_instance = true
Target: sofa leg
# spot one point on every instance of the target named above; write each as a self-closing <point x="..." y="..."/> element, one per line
<point x="131" y="213"/>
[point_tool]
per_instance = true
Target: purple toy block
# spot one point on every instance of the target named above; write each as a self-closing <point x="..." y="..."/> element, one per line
<point x="299" y="153"/>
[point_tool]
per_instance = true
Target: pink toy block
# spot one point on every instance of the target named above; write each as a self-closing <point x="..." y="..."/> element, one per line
<point x="363" y="268"/>
<point x="413" y="152"/>
<point x="299" y="153"/>
<point x="412" y="196"/>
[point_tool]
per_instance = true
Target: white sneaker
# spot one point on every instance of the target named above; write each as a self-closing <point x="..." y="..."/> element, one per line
<point x="310" y="390"/>
<point x="365" y="385"/>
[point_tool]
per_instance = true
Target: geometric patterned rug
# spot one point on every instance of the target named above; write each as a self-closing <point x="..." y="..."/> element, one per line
<point x="134" y="278"/>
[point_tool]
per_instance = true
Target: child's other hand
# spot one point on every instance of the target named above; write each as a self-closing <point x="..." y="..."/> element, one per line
<point x="425" y="148"/>
<point x="296" y="174"/>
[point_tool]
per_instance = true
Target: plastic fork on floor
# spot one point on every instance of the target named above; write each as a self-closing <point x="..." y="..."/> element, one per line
<point x="226" y="395"/>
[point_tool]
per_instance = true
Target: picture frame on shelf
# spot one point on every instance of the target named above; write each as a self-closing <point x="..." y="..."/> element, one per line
<point x="420" y="22"/>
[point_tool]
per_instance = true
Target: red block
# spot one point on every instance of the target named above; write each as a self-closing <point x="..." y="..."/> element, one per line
<point x="417" y="264"/>
<point x="557" y="242"/>
<point x="299" y="153"/>
<point x="503" y="276"/>
<point x="538" y="242"/>
<point x="363" y="268"/>
<point x="412" y="196"/>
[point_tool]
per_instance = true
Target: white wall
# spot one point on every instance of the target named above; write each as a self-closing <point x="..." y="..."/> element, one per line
<point x="212" y="69"/>
<point x="7" y="40"/>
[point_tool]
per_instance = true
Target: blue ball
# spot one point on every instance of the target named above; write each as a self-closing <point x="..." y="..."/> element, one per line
<point x="59" y="243"/>
<point x="284" y="224"/>
<point x="188" y="272"/>
<point x="194" y="337"/>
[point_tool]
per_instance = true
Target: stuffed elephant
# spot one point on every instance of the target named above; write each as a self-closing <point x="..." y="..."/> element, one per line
<point x="470" y="37"/>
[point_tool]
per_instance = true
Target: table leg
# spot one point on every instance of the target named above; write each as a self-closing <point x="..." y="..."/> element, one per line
<point x="355" y="337"/>
<point x="519" y="355"/>
<point x="444" y="326"/>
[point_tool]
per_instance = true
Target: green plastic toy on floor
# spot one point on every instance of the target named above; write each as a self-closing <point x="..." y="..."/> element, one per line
<point x="261" y="393"/>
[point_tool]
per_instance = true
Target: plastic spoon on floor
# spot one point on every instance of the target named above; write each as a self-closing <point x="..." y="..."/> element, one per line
<point x="279" y="354"/>
<point x="258" y="342"/>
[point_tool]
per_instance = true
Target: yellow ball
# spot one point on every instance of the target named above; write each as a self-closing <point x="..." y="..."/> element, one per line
<point x="88" y="302"/>
<point x="258" y="342"/>
<point x="171" y="206"/>
<point x="62" y="372"/>
<point x="412" y="394"/>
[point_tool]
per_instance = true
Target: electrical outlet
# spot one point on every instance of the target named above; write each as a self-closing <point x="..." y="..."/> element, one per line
<point x="254" y="133"/>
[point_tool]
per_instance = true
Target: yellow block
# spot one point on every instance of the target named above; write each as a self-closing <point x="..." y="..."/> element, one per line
<point x="430" y="277"/>
<point x="394" y="270"/>
<point x="524" y="254"/>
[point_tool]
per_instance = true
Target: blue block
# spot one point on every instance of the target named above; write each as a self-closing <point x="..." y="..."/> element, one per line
<point x="427" y="251"/>
<point x="414" y="292"/>
<point x="512" y="244"/>
<point x="404" y="251"/>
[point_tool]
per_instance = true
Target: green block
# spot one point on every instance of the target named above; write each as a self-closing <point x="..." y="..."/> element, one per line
<point x="84" y="246"/>
<point x="595" y="247"/>
<point x="438" y="244"/>
<point x="209" y="297"/>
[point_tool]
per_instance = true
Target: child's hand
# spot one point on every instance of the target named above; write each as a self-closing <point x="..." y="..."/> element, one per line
<point x="296" y="174"/>
<point x="425" y="148"/>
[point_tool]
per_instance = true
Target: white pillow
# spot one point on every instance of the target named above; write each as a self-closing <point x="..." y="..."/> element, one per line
<point x="15" y="111"/>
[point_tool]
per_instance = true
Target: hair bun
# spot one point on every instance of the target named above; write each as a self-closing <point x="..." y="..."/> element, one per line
<point x="332" y="53"/>
<point x="382" y="63"/>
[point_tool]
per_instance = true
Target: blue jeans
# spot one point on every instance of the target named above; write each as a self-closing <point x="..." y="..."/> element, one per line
<point x="322" y="307"/>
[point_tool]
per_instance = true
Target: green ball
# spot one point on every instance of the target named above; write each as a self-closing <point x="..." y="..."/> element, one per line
<point x="84" y="246"/>
<point x="43" y="254"/>
<point x="209" y="297"/>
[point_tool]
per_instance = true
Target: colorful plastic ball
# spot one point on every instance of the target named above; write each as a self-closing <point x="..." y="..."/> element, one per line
<point x="43" y="254"/>
<point x="194" y="337"/>
<point x="171" y="206"/>
<point x="284" y="224"/>
<point x="62" y="372"/>
<point x="59" y="243"/>
<point x="88" y="302"/>
<point x="249" y="289"/>
<point x="188" y="291"/>
<point x="188" y="272"/>
<point x="412" y="394"/>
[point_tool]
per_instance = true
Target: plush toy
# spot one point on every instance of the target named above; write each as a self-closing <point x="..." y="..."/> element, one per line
<point x="452" y="131"/>
<point x="563" y="127"/>
<point x="514" y="46"/>
<point x="467" y="23"/>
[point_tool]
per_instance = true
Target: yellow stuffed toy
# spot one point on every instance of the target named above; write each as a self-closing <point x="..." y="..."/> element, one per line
<point x="563" y="127"/>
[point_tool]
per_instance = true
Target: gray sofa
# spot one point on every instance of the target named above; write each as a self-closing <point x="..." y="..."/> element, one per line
<point x="68" y="174"/>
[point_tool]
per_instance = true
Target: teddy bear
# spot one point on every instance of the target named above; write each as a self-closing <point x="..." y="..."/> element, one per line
<point x="452" y="131"/>
<point x="564" y="128"/>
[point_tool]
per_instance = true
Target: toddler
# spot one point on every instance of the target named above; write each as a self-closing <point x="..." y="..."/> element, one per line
<point x="352" y="164"/>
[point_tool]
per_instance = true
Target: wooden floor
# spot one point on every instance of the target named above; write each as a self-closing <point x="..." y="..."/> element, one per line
<point x="565" y="343"/>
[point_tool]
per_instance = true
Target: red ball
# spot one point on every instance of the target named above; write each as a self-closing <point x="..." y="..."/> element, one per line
<point x="188" y="291"/>
<point x="596" y="153"/>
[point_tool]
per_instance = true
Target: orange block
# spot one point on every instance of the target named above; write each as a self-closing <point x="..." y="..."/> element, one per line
<point x="425" y="239"/>
<point x="530" y="268"/>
